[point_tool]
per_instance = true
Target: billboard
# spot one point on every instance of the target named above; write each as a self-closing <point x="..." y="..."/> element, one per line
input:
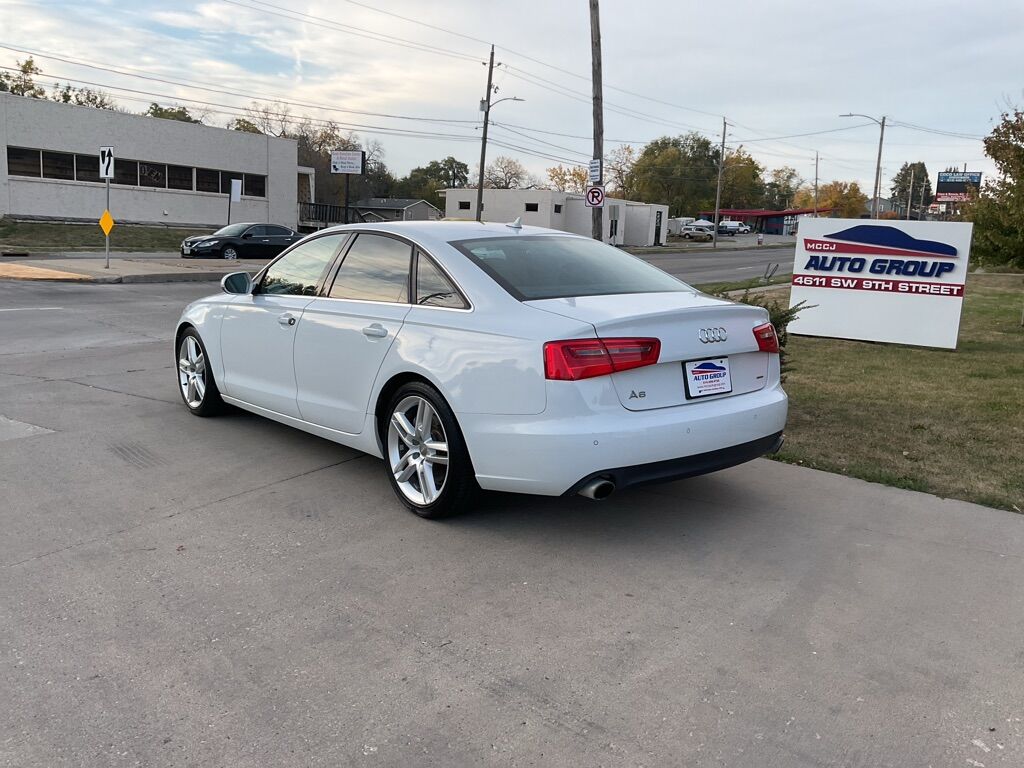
<point x="955" y="186"/>
<point x="347" y="161"/>
<point x="900" y="282"/>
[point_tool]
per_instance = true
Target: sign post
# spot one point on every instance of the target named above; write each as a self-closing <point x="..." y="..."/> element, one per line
<point x="235" y="196"/>
<point x="106" y="220"/>
<point x="349" y="162"/>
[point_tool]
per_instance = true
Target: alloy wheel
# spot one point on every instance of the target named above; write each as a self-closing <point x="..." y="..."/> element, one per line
<point x="192" y="371"/>
<point x="230" y="253"/>
<point x="418" y="450"/>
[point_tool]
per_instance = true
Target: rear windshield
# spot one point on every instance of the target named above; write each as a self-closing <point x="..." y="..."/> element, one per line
<point x="553" y="267"/>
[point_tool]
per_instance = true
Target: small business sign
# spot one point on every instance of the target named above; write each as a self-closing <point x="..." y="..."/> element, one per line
<point x="347" y="161"/>
<point x="594" y="171"/>
<point x="106" y="162"/>
<point x="900" y="282"/>
<point x="595" y="196"/>
<point x="956" y="186"/>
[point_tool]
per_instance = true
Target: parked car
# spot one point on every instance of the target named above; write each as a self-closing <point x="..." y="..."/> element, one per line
<point x="247" y="240"/>
<point x="691" y="232"/>
<point x="490" y="356"/>
<point x="733" y="228"/>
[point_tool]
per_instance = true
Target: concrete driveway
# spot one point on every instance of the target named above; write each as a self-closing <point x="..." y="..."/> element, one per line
<point x="229" y="592"/>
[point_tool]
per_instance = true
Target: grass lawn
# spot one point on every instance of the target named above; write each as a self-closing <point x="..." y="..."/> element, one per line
<point x="46" y="236"/>
<point x="944" y="422"/>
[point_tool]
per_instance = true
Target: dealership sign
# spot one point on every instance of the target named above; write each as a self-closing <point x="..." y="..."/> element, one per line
<point x="896" y="281"/>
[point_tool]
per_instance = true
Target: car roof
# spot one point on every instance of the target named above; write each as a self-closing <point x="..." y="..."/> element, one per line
<point x="437" y="232"/>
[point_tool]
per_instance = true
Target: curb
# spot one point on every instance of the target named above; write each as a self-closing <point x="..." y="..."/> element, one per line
<point x="195" y="277"/>
<point x="705" y="249"/>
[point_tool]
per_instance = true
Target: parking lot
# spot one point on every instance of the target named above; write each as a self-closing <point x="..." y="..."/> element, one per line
<point x="184" y="591"/>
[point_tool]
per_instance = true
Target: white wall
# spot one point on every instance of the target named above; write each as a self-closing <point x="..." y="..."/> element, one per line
<point x="40" y="124"/>
<point x="636" y="220"/>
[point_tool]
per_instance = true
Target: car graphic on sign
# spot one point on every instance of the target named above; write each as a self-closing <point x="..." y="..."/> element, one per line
<point x="879" y="240"/>
<point x="708" y="370"/>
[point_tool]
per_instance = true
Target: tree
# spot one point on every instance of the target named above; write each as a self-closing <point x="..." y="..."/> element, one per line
<point x="22" y="82"/>
<point x="780" y="189"/>
<point x="507" y="173"/>
<point x="83" y="97"/>
<point x="998" y="209"/>
<point x="244" y="126"/>
<point x="844" y="198"/>
<point x="900" y="189"/>
<point x="678" y="171"/>
<point x="573" y="179"/>
<point x="426" y="182"/>
<point x="618" y="169"/>
<point x="742" y="182"/>
<point x="181" y="114"/>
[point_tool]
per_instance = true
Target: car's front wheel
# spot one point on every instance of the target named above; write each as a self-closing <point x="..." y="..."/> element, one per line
<point x="195" y="378"/>
<point x="229" y="252"/>
<point x="428" y="464"/>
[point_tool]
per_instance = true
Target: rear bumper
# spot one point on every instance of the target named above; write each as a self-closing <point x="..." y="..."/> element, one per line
<point x="687" y="466"/>
<point x="547" y="455"/>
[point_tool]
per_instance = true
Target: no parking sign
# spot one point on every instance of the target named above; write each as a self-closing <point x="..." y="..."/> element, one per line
<point x="595" y="196"/>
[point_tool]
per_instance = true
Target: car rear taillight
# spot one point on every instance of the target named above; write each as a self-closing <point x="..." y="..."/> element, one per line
<point x="767" y="341"/>
<point x="585" y="358"/>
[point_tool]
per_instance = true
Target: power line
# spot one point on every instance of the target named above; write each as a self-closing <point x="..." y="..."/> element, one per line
<point x="136" y="73"/>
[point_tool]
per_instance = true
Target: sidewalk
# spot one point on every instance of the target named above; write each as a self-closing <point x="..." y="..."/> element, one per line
<point x="124" y="270"/>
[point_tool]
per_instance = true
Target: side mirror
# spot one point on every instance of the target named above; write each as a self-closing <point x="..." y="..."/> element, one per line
<point x="237" y="283"/>
<point x="247" y="236"/>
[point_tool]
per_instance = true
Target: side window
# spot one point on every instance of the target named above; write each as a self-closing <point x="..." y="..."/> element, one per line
<point x="258" y="231"/>
<point x="276" y="231"/>
<point x="433" y="288"/>
<point x="376" y="268"/>
<point x="298" y="272"/>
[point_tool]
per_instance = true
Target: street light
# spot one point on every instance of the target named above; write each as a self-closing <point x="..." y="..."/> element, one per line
<point x="485" y="107"/>
<point x="878" y="164"/>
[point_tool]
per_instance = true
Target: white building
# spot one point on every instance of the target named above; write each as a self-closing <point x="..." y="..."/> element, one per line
<point x="166" y="171"/>
<point x="625" y="222"/>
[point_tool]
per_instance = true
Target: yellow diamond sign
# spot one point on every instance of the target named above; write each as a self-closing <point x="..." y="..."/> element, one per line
<point x="106" y="222"/>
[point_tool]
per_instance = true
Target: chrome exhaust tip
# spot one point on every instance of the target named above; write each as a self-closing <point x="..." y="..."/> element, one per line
<point x="597" y="489"/>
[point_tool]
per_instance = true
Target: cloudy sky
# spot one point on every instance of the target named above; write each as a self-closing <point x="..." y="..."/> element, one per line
<point x="772" y="68"/>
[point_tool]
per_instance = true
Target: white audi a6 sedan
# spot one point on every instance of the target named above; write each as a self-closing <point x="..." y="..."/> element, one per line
<point x="491" y="356"/>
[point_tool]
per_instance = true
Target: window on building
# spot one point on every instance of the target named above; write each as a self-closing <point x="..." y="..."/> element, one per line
<point x="299" y="271"/>
<point x="207" y="180"/>
<point x="152" y="175"/>
<point x="558" y="207"/>
<point x="532" y="207"/>
<point x="87" y="168"/>
<point x="254" y="185"/>
<point x="433" y="288"/>
<point x="58" y="165"/>
<point x="376" y="268"/>
<point x="225" y="181"/>
<point x="126" y="172"/>
<point x="463" y="205"/>
<point x="179" y="177"/>
<point x="23" y="162"/>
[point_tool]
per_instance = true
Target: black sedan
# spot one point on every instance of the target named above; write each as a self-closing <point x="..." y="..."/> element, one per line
<point x="235" y="241"/>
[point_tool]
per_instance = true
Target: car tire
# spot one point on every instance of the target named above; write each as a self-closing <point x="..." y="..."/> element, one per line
<point x="229" y="252"/>
<point x="196" y="384"/>
<point x="430" y="480"/>
<point x="686" y="236"/>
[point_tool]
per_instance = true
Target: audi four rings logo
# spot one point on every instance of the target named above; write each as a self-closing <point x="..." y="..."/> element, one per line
<point x="711" y="335"/>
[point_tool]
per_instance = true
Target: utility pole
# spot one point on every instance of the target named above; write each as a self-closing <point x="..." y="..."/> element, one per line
<point x="597" y="214"/>
<point x="878" y="170"/>
<point x="815" y="184"/>
<point x="718" y="192"/>
<point x="485" y="106"/>
<point x="921" y="207"/>
<point x="910" y="194"/>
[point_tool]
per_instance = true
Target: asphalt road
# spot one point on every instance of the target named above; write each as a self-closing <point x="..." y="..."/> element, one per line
<point x="177" y="591"/>
<point x="699" y="265"/>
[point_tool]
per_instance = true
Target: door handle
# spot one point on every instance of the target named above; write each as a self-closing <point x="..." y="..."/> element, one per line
<point x="286" y="319"/>
<point x="375" y="331"/>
